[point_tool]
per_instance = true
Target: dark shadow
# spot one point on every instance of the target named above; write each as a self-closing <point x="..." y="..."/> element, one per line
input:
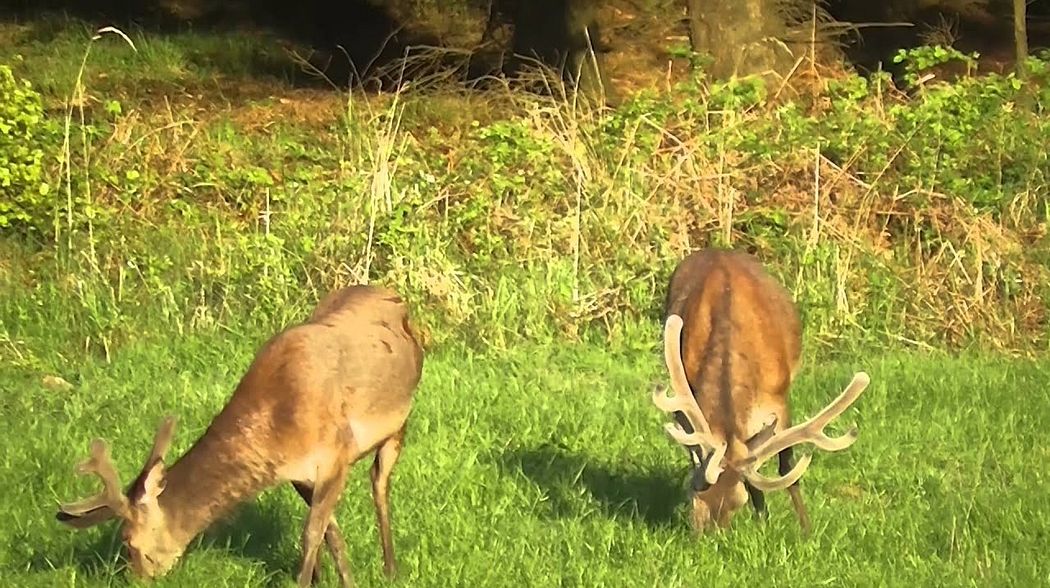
<point x="346" y="40"/>
<point x="650" y="495"/>
<point x="350" y="42"/>
<point x="559" y="34"/>
<point x="255" y="530"/>
<point x="988" y="31"/>
<point x="353" y="39"/>
<point x="92" y="556"/>
<point x="550" y="30"/>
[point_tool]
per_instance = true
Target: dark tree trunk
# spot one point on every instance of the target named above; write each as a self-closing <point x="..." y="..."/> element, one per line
<point x="1020" y="36"/>
<point x="742" y="36"/>
<point x="586" y="62"/>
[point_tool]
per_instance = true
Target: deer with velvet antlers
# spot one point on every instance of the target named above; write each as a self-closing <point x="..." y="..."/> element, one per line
<point x="732" y="342"/>
<point x="317" y="397"/>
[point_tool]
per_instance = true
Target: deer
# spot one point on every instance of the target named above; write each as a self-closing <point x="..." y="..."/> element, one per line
<point x="317" y="397"/>
<point x="732" y="347"/>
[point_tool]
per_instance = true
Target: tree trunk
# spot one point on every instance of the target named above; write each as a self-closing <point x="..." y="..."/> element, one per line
<point x="741" y="36"/>
<point x="1020" y="37"/>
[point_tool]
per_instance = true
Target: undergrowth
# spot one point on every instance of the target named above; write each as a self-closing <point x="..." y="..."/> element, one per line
<point x="912" y="216"/>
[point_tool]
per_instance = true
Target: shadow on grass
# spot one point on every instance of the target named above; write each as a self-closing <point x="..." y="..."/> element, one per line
<point x="255" y="531"/>
<point x="95" y="553"/>
<point x="351" y="42"/>
<point x="94" y="556"/>
<point x="650" y="495"/>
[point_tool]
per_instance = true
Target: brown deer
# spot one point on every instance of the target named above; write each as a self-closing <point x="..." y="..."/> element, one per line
<point x="732" y="341"/>
<point x="317" y="397"/>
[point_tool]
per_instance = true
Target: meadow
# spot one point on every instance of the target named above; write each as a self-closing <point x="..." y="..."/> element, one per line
<point x="175" y="209"/>
<point x="547" y="465"/>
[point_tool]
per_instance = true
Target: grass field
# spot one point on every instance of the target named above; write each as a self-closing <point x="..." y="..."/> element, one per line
<point x="547" y="466"/>
<point x="541" y="460"/>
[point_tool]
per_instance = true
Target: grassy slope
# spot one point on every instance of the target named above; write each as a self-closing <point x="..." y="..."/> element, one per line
<point x="548" y="463"/>
<point x="280" y="183"/>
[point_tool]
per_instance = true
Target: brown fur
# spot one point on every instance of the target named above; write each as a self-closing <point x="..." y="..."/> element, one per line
<point x="741" y="343"/>
<point x="732" y="341"/>
<point x="317" y="397"/>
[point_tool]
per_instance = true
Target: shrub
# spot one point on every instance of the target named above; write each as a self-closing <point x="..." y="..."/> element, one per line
<point x="24" y="192"/>
<point x="915" y="216"/>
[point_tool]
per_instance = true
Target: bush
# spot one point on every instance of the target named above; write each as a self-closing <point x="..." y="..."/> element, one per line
<point x="916" y="216"/>
<point x="24" y="192"/>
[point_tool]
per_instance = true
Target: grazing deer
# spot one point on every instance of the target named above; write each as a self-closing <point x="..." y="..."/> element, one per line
<point x="317" y="397"/>
<point x="732" y="341"/>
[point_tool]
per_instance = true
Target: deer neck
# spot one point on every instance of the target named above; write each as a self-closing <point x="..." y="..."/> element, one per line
<point x="208" y="481"/>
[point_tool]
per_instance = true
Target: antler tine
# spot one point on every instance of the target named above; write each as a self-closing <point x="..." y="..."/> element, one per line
<point x="812" y="431"/>
<point x="773" y="484"/>
<point x="683" y="401"/>
<point x="679" y="381"/>
<point x="162" y="439"/>
<point x="112" y="496"/>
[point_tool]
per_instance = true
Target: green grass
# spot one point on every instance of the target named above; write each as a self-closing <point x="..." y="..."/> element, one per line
<point x="547" y="466"/>
<point x="538" y="462"/>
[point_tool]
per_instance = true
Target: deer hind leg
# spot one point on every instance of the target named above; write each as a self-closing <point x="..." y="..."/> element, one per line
<point x="326" y="493"/>
<point x="795" y="490"/>
<point x="386" y="456"/>
<point x="333" y="539"/>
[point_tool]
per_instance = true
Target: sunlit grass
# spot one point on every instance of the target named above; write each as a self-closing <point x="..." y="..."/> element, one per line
<point x="539" y="462"/>
<point x="547" y="465"/>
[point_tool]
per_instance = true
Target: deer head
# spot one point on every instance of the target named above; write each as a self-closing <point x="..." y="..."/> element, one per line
<point x="151" y="549"/>
<point x="721" y="466"/>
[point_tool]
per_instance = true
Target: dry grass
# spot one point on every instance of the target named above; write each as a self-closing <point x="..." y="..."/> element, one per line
<point x="572" y="227"/>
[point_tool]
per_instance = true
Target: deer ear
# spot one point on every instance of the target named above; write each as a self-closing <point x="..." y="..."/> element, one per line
<point x="148" y="487"/>
<point x="763" y="434"/>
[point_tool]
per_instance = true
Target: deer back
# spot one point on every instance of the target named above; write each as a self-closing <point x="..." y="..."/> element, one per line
<point x="355" y="361"/>
<point x="741" y="339"/>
